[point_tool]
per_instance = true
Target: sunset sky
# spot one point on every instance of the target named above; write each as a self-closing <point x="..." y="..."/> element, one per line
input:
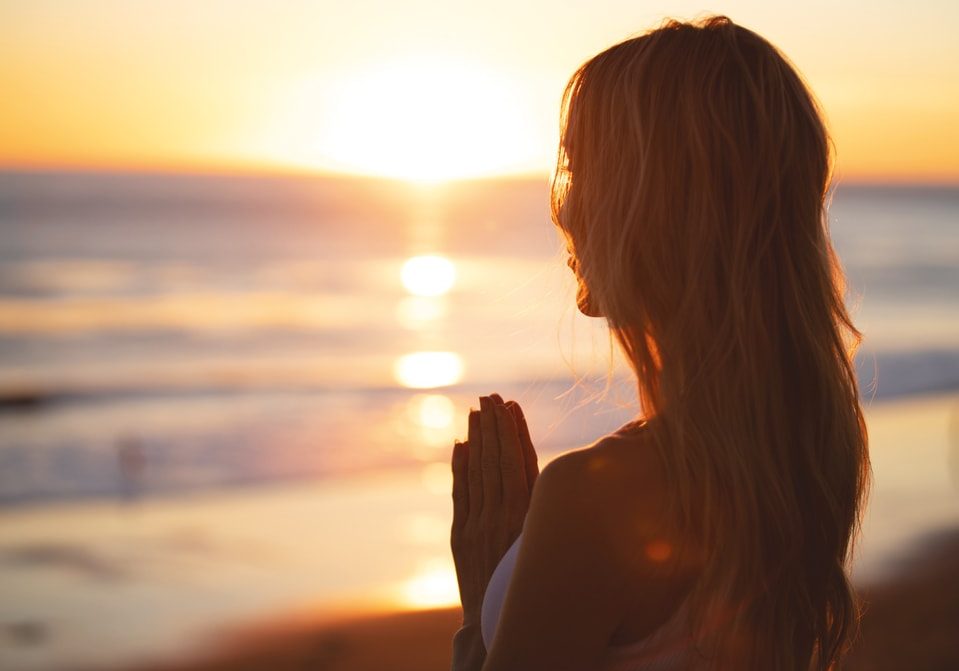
<point x="425" y="89"/>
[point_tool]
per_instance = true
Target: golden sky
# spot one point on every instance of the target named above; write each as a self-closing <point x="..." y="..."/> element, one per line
<point x="426" y="89"/>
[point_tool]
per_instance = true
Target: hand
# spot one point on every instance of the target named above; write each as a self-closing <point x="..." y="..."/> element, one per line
<point x="493" y="477"/>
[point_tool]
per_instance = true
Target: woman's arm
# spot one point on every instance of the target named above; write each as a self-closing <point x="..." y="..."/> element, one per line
<point x="568" y="590"/>
<point x="469" y="652"/>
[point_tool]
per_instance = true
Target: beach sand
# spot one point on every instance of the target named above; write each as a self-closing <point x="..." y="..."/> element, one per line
<point x="356" y="573"/>
<point x="910" y="624"/>
<point x="405" y="641"/>
<point x="906" y="572"/>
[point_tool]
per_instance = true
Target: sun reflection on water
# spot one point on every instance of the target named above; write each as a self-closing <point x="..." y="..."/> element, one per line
<point x="416" y="312"/>
<point x="437" y="477"/>
<point x="428" y="275"/>
<point x="425" y="370"/>
<point x="424" y="528"/>
<point x="433" y="411"/>
<point x="427" y="423"/>
<point x="434" y="586"/>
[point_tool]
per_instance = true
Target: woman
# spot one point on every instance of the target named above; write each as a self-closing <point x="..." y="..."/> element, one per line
<point x="715" y="531"/>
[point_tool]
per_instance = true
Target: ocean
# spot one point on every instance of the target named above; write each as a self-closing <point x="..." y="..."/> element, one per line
<point x="162" y="334"/>
<point x="231" y="400"/>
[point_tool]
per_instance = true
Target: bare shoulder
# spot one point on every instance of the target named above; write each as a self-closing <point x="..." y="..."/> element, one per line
<point x="576" y="584"/>
<point x="618" y="486"/>
<point x="619" y="472"/>
<point x="616" y="490"/>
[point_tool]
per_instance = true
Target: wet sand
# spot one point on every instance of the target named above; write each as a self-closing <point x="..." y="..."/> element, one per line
<point x="910" y="623"/>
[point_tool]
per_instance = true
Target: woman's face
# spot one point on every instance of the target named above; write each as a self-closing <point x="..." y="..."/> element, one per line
<point x="583" y="298"/>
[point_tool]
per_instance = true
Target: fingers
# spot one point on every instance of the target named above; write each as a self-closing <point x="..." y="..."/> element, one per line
<point x="520" y="449"/>
<point x="531" y="462"/>
<point x="501" y="464"/>
<point x="515" y="489"/>
<point x="475" y="466"/>
<point x="460" y="465"/>
<point x="492" y="480"/>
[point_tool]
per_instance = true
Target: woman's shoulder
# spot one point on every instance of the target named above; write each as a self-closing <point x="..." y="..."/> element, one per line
<point x="617" y="485"/>
<point x="622" y="480"/>
<point x="610" y="477"/>
<point x="572" y="564"/>
<point x="623" y="459"/>
<point x="586" y="497"/>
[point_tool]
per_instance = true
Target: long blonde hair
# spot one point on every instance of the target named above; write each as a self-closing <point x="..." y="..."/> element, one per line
<point x="691" y="186"/>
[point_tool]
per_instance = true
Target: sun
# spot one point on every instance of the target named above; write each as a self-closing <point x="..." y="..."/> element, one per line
<point x="423" y="119"/>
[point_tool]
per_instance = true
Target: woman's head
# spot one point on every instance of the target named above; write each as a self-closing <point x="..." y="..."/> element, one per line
<point x="690" y="187"/>
<point x="678" y="150"/>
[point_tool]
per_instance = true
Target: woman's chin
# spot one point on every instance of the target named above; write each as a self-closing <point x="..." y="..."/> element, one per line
<point x="588" y="309"/>
<point x="584" y="301"/>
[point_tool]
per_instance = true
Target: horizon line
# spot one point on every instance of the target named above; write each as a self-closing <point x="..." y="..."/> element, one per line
<point x="266" y="170"/>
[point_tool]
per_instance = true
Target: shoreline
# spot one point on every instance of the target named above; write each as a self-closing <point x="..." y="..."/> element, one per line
<point x="909" y="622"/>
<point x="173" y="579"/>
<point x="30" y="402"/>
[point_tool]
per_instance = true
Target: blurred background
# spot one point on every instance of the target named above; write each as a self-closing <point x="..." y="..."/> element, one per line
<point x="258" y="260"/>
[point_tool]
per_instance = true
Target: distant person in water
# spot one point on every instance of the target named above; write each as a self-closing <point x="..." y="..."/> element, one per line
<point x="715" y="530"/>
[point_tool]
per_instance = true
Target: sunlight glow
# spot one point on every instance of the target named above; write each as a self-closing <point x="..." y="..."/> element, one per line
<point x="428" y="275"/>
<point x="424" y="528"/>
<point x="437" y="478"/>
<point x="427" y="120"/>
<point x="434" y="586"/>
<point x="423" y="370"/>
<point x="420" y="92"/>
<point x="427" y="422"/>
<point x="433" y="411"/>
<point x="415" y="312"/>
